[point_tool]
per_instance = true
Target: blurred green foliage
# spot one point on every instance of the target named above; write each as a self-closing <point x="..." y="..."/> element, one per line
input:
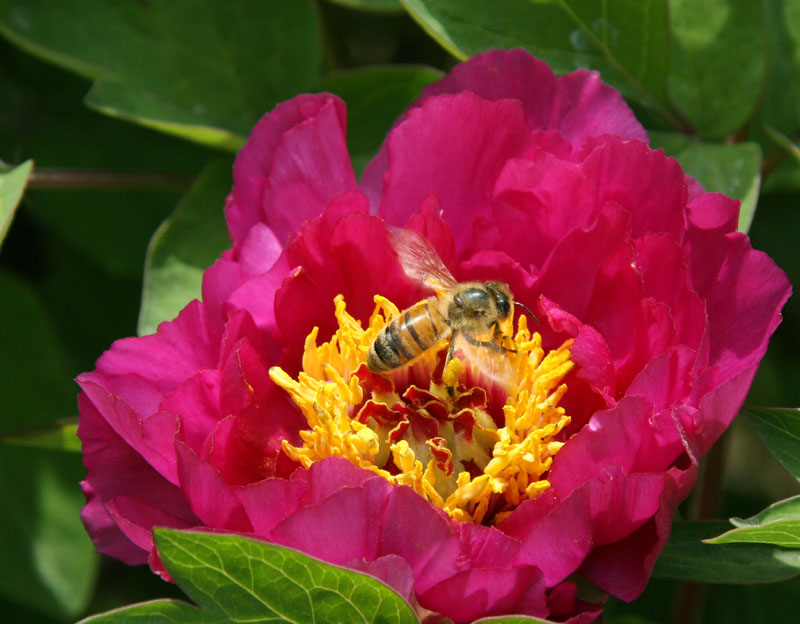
<point x="102" y="86"/>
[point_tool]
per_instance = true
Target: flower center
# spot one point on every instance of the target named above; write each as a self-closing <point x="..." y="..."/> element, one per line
<point x="463" y="450"/>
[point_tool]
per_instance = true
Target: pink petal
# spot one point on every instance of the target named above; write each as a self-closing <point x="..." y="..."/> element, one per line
<point x="268" y="502"/>
<point x="245" y="374"/>
<point x="453" y="146"/>
<point x="295" y="161"/>
<point x="347" y="252"/>
<point x="570" y="283"/>
<point x="210" y="497"/>
<point x="623" y="568"/>
<point x="578" y="105"/>
<point x="628" y="436"/>
<point x="115" y="469"/>
<point x="137" y="519"/>
<point x="150" y="436"/>
<point x="594" y="364"/>
<point x="104" y="530"/>
<point x="479" y="592"/>
<point x="710" y="218"/>
<point x="647" y="184"/>
<point x="485" y="547"/>
<point x="429" y="223"/>
<point x="743" y="306"/>
<point x="163" y="360"/>
<point x="340" y="528"/>
<point x="537" y="202"/>
<point x="256" y="297"/>
<point x="330" y="475"/>
<point x="260" y="249"/>
<point x="665" y="379"/>
<point x="585" y="107"/>
<point x="419" y="533"/>
<point x="663" y="268"/>
<point x="601" y="511"/>
<point x="391" y="570"/>
<point x="719" y="405"/>
<point x="664" y="275"/>
<point x="246" y="446"/>
<point x="197" y="403"/>
<point x="219" y="281"/>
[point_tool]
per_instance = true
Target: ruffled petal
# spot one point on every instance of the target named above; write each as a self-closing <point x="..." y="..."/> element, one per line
<point x="115" y="469"/>
<point x="476" y="134"/>
<point x="601" y="511"/>
<point x="211" y="499"/>
<point x="578" y="105"/>
<point x="294" y="162"/>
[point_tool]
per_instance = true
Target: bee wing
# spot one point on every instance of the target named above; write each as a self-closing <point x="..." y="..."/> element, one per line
<point x="485" y="357"/>
<point x="420" y="261"/>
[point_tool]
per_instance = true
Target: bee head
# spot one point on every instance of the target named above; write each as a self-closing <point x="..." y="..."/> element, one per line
<point x="502" y="298"/>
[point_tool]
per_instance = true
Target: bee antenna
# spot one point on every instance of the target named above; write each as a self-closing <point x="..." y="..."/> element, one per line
<point x="528" y="310"/>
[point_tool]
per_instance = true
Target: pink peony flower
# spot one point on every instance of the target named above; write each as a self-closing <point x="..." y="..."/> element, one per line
<point x="653" y="316"/>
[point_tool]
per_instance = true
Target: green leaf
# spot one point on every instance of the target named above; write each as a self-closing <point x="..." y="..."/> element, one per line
<point x="627" y="41"/>
<point x="719" y="57"/>
<point x="383" y="6"/>
<point x="779" y="429"/>
<point x="784" y="533"/>
<point x="55" y="437"/>
<point x="53" y="563"/>
<point x="375" y="97"/>
<point x="115" y="99"/>
<point x="235" y="579"/>
<point x="783" y="142"/>
<point x="781" y="106"/>
<point x="114" y="226"/>
<point x="786" y="176"/>
<point x="199" y="69"/>
<point x="782" y="510"/>
<point x="34" y="384"/>
<point x="778" y="524"/>
<point x="12" y="185"/>
<point x="734" y="170"/>
<point x="686" y="557"/>
<point x="186" y="244"/>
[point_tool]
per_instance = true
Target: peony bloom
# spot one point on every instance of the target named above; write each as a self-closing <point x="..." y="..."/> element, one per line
<point x="254" y="412"/>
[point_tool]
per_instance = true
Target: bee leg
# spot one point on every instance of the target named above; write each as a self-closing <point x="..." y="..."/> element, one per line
<point x="488" y="344"/>
<point x="450" y="352"/>
<point x="498" y="336"/>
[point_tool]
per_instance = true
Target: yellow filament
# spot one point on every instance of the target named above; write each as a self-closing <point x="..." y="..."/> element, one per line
<point x="518" y="455"/>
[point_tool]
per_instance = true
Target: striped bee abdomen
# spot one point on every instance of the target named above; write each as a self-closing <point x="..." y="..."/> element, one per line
<point x="408" y="336"/>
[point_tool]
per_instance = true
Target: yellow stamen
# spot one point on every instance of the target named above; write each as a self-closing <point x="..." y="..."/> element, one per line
<point x="470" y="467"/>
<point x="452" y="372"/>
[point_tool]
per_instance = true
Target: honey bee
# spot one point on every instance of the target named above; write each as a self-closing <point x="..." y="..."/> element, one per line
<point x="474" y="316"/>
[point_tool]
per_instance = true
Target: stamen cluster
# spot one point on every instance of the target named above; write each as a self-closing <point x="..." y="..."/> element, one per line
<point x="475" y="462"/>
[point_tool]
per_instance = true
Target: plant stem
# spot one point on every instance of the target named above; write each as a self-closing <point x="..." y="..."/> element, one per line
<point x="703" y="506"/>
<point x="55" y="178"/>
